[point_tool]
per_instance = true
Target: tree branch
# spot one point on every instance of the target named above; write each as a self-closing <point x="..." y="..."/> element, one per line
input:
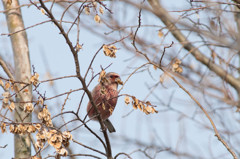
<point x="82" y="80"/>
<point x="162" y="14"/>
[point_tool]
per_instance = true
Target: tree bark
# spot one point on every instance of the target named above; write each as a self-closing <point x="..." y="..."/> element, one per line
<point x="22" y="143"/>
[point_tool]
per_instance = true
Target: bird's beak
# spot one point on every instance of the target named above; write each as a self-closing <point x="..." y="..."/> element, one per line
<point x="119" y="81"/>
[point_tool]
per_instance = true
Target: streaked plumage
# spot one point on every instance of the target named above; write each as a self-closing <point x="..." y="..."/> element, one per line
<point x="105" y="97"/>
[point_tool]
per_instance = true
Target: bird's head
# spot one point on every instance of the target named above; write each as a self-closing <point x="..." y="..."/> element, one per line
<point x="113" y="78"/>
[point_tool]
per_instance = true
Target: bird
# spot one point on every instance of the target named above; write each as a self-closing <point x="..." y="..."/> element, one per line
<point x="105" y="96"/>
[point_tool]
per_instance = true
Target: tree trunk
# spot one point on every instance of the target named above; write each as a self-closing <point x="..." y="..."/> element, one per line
<point x="22" y="143"/>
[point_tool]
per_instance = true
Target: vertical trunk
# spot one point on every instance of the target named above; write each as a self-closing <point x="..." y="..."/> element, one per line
<point x="22" y="143"/>
<point x="237" y="18"/>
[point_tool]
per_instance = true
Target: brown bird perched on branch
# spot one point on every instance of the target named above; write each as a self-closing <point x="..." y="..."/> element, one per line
<point x="105" y="96"/>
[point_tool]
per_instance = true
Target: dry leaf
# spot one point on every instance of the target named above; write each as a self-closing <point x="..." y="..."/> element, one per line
<point x="97" y="18"/>
<point x="160" y="33"/>
<point x="28" y="107"/>
<point x="62" y="152"/>
<point x="103" y="106"/>
<point x="95" y="4"/>
<point x="7" y="85"/>
<point x="102" y="76"/>
<point x="12" y="128"/>
<point x="11" y="106"/>
<point x="3" y="127"/>
<point x="110" y="110"/>
<point x="1" y="83"/>
<point x="87" y="10"/>
<point x="42" y="11"/>
<point x="127" y="100"/>
<point x="110" y="50"/>
<point x="38" y="126"/>
<point x="101" y="10"/>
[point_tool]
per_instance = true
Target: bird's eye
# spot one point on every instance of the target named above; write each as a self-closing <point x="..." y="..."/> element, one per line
<point x="111" y="76"/>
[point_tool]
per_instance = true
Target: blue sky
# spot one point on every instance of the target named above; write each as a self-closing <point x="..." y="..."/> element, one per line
<point x="50" y="55"/>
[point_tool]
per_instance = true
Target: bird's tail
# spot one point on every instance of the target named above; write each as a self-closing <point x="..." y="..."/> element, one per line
<point x="109" y="126"/>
